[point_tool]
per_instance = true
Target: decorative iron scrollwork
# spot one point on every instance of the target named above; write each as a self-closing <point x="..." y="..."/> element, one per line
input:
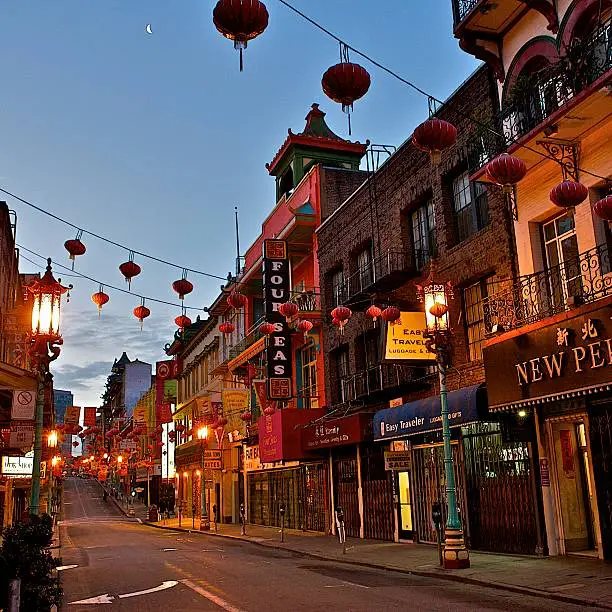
<point x="566" y="154"/>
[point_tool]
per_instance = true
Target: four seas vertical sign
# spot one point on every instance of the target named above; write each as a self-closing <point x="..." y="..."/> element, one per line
<point x="276" y="290"/>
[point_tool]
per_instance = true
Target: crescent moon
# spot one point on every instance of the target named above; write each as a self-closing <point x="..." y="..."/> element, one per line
<point x="148" y="29"/>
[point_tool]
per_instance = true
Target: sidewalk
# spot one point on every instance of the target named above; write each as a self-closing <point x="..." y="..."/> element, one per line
<point x="578" y="580"/>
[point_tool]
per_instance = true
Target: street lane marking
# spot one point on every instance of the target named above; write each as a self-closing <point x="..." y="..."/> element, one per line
<point x="100" y="599"/>
<point x="224" y="605"/>
<point x="167" y="549"/>
<point x="168" y="584"/>
<point x="61" y="568"/>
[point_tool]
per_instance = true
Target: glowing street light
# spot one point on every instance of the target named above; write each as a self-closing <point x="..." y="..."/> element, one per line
<point x="52" y="439"/>
<point x="204" y="519"/>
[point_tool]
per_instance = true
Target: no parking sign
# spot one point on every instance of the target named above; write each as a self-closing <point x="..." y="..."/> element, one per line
<point x="24" y="403"/>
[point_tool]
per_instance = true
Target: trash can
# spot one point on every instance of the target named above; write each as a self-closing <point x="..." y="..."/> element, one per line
<point x="153" y="514"/>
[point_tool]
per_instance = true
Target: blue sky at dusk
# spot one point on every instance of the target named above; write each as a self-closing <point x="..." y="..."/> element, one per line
<point x="152" y="140"/>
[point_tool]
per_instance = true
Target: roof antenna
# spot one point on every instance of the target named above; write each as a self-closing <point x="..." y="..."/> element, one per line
<point x="237" y="243"/>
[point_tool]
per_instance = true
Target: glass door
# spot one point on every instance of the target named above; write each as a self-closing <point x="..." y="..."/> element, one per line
<point x="405" y="506"/>
<point x="562" y="261"/>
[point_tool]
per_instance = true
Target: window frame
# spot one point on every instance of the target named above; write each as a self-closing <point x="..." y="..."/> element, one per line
<point x="423" y="233"/>
<point x="475" y="209"/>
<point x="475" y="330"/>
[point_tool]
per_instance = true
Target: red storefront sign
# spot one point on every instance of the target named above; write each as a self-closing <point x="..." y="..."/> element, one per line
<point x="337" y="432"/>
<point x="89" y="417"/>
<point x="280" y="434"/>
<point x="166" y="370"/>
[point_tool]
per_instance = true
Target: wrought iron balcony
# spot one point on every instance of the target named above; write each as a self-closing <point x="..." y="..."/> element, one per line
<point x="528" y="299"/>
<point x="388" y="271"/>
<point x="252" y="335"/>
<point x="461" y="8"/>
<point x="374" y="380"/>
<point x="534" y="99"/>
<point x="308" y="300"/>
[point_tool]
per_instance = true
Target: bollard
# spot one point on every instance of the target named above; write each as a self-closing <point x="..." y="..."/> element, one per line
<point x="282" y="510"/>
<point x="14" y="595"/>
<point x="215" y="516"/>
<point x="242" y="520"/>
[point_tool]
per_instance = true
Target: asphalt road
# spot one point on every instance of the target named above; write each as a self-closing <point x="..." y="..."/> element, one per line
<point x="117" y="559"/>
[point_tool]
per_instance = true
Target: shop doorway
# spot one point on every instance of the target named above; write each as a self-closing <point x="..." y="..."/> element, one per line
<point x="404" y="509"/>
<point x="574" y="487"/>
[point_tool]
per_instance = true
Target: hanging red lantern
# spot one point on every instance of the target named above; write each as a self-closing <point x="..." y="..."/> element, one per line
<point x="269" y="410"/>
<point x="391" y="314"/>
<point x="99" y="299"/>
<point x="434" y="136"/>
<point x="568" y="194"/>
<point x="267" y="328"/>
<point x="237" y="300"/>
<point x="506" y="170"/>
<point x="345" y="83"/>
<point x="130" y="269"/>
<point x="603" y="208"/>
<point x="289" y="310"/>
<point x="75" y="248"/>
<point x="374" y="312"/>
<point x="305" y="326"/>
<point x="240" y="21"/>
<point x="246" y="416"/>
<point x="227" y="328"/>
<point x="335" y="322"/>
<point x="341" y="314"/>
<point x="182" y="287"/>
<point x="141" y="313"/>
<point x="182" y="321"/>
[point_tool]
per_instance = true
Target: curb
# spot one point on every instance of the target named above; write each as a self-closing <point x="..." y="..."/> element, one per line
<point x="441" y="575"/>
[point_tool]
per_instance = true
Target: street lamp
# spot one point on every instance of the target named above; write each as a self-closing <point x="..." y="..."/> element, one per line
<point x="52" y="439"/>
<point x="436" y="296"/>
<point x="204" y="519"/>
<point x="44" y="348"/>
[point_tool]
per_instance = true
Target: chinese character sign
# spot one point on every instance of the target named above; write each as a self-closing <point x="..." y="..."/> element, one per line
<point x="89" y="417"/>
<point x="72" y="415"/>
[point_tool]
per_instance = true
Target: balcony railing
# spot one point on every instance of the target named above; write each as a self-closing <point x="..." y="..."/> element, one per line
<point x="252" y="335"/>
<point x="528" y="299"/>
<point x="534" y="99"/>
<point x="308" y="300"/>
<point x="381" y="377"/>
<point x="461" y="8"/>
<point x="386" y="272"/>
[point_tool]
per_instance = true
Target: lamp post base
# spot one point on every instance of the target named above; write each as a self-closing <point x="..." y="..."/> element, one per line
<point x="456" y="555"/>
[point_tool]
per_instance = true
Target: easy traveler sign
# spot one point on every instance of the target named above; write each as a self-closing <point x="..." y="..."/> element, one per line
<point x="276" y="291"/>
<point x="405" y="338"/>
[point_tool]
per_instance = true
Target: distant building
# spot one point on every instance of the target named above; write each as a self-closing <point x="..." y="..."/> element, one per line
<point x="61" y="400"/>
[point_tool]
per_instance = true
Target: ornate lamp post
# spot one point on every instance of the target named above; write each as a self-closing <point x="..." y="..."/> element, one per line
<point x="204" y="519"/>
<point x="45" y="348"/>
<point x="437" y="333"/>
<point x="51" y="445"/>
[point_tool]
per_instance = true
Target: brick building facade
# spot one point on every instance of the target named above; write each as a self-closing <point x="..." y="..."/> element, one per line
<point x="375" y="247"/>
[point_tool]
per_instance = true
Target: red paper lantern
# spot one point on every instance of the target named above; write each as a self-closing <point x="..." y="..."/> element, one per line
<point x="506" y="170"/>
<point x="288" y="310"/>
<point x="391" y="314"/>
<point x="342" y="313"/>
<point x="75" y="248"/>
<point x="237" y="300"/>
<point x="568" y="194"/>
<point x="182" y="287"/>
<point x="246" y="416"/>
<point x="305" y="326"/>
<point x="141" y="313"/>
<point x="335" y="322"/>
<point x="240" y="21"/>
<point x="99" y="299"/>
<point x="346" y="83"/>
<point x="267" y="328"/>
<point x="129" y="269"/>
<point x="603" y="208"/>
<point x="182" y="321"/>
<point x="227" y="328"/>
<point x="269" y="410"/>
<point x="374" y="312"/>
<point x="434" y="136"/>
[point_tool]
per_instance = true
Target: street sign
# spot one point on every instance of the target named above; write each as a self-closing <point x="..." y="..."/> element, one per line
<point x="398" y="461"/>
<point x="21" y="436"/>
<point x="212" y="454"/>
<point x="212" y="464"/>
<point x="24" y="403"/>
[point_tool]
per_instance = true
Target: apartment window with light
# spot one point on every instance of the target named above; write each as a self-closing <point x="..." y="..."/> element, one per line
<point x="423" y="234"/>
<point x="474" y="314"/>
<point x="470" y="206"/>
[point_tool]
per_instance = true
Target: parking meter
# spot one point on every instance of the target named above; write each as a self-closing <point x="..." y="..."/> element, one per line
<point x="340" y="526"/>
<point x="282" y="509"/>
<point x="436" y="517"/>
<point x="215" y="518"/>
<point x="340" y="514"/>
<point x="243" y="519"/>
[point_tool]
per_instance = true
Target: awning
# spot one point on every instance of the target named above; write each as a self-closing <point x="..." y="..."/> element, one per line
<point x="13" y="378"/>
<point x="464" y="406"/>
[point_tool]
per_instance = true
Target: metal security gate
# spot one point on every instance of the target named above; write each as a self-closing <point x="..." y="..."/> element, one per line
<point x="316" y="497"/>
<point x="600" y="438"/>
<point x="377" y="495"/>
<point x="500" y="491"/>
<point x="428" y="486"/>
<point x="345" y="488"/>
